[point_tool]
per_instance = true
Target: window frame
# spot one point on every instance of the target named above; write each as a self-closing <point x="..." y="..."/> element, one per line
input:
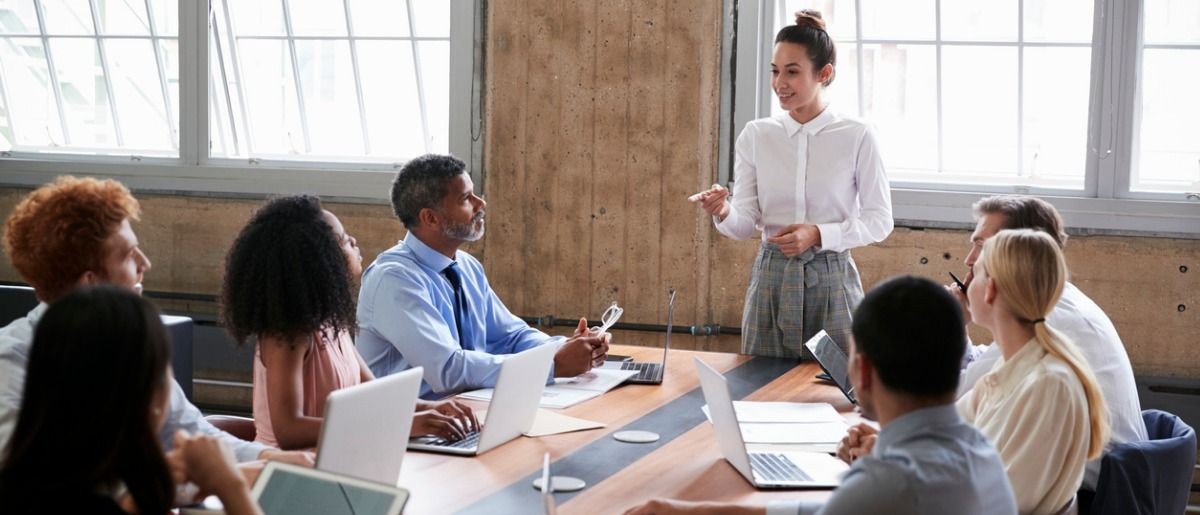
<point x="1107" y="204"/>
<point x="194" y="172"/>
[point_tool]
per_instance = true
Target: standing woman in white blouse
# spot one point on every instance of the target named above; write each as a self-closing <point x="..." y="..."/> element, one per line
<point x="1040" y="404"/>
<point x="814" y="184"/>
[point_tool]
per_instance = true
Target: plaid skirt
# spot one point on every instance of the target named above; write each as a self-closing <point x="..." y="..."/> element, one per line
<point x="791" y="299"/>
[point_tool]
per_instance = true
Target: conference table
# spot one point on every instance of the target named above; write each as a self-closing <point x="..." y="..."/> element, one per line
<point x="685" y="463"/>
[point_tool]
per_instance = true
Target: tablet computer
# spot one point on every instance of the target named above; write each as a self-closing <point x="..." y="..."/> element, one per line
<point x="283" y="488"/>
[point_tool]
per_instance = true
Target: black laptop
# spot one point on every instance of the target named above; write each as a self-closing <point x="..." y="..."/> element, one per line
<point x="833" y="361"/>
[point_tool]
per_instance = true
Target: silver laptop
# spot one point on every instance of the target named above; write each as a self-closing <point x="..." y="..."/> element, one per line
<point x="648" y="371"/>
<point x="366" y="425"/>
<point x="512" y="410"/>
<point x="833" y="361"/>
<point x="772" y="470"/>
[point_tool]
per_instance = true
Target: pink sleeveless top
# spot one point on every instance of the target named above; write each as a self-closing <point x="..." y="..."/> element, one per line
<point x="331" y="364"/>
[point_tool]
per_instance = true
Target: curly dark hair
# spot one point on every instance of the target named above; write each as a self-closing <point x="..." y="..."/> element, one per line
<point x="285" y="275"/>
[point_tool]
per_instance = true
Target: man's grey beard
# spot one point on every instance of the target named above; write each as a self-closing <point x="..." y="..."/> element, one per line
<point x="466" y="231"/>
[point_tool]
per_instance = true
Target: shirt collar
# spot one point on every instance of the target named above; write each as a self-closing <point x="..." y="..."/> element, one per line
<point x="1015" y="369"/>
<point x="916" y="422"/>
<point x="36" y="313"/>
<point x="425" y="254"/>
<point x="812" y="127"/>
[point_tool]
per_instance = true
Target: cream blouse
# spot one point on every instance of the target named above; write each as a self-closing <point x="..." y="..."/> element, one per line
<point x="1033" y="408"/>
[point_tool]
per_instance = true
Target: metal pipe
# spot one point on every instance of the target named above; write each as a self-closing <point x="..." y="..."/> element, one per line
<point x="694" y="330"/>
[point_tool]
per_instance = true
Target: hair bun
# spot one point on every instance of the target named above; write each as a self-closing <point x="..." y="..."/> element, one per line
<point x="810" y="18"/>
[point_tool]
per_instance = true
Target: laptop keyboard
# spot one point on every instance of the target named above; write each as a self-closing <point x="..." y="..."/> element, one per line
<point x="472" y="440"/>
<point x="646" y="371"/>
<point x="775" y="468"/>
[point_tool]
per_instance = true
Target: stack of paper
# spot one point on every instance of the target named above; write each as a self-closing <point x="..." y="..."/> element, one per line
<point x="547" y="423"/>
<point x="566" y="392"/>
<point x="810" y="424"/>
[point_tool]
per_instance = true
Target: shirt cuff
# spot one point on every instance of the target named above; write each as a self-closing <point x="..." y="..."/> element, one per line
<point x="792" y="507"/>
<point x="729" y="221"/>
<point x="557" y="341"/>
<point x="831" y="236"/>
<point x="247" y="451"/>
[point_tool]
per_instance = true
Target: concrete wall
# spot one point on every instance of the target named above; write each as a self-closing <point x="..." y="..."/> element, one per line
<point x="600" y="119"/>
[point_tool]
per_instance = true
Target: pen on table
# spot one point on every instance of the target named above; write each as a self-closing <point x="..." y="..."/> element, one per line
<point x="958" y="282"/>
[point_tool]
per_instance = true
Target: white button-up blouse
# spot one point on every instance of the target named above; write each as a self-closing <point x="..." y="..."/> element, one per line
<point x="826" y="172"/>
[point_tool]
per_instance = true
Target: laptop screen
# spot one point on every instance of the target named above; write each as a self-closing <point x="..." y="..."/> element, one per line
<point x="832" y="360"/>
<point x="310" y="492"/>
<point x="670" y="327"/>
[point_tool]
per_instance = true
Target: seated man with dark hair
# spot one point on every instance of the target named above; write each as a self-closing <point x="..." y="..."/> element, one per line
<point x="426" y="303"/>
<point x="76" y="232"/>
<point x="904" y="364"/>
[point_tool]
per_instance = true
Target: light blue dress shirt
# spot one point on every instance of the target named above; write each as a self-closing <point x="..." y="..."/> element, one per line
<point x="406" y="319"/>
<point x="928" y="461"/>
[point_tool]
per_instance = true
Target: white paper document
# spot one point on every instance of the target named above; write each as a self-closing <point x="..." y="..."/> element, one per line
<point x="547" y="423"/>
<point x="566" y="392"/>
<point x="808" y="433"/>
<point x="783" y="412"/>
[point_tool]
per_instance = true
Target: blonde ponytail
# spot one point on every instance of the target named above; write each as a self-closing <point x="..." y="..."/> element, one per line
<point x="1029" y="271"/>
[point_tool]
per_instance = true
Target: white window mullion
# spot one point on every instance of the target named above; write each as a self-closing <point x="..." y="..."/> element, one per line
<point x="108" y="86"/>
<point x="858" y="49"/>
<point x="8" y="112"/>
<point x="291" y="44"/>
<point x="1127" y="114"/>
<point x="51" y="72"/>
<point x="162" y="74"/>
<point x="233" y="140"/>
<point x="232" y="38"/>
<point x="412" y="31"/>
<point x="1021" y="93"/>
<point x="193" y="92"/>
<point x="937" y="24"/>
<point x="358" y="90"/>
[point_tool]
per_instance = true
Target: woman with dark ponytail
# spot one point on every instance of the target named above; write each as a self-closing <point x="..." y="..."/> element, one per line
<point x="101" y="453"/>
<point x="814" y="183"/>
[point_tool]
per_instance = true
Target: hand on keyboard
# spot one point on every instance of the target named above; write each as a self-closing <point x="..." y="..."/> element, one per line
<point x="446" y="419"/>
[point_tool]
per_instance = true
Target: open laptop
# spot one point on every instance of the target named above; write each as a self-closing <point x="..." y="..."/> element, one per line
<point x="773" y="470"/>
<point x="286" y="489"/>
<point x="366" y="427"/>
<point x="512" y="410"/>
<point x="833" y="361"/>
<point x="650" y="372"/>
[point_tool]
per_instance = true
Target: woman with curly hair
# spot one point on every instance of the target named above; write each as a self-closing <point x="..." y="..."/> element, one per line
<point x="288" y="283"/>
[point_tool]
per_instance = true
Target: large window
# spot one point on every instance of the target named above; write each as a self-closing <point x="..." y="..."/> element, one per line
<point x="1048" y="97"/>
<point x="254" y="96"/>
<point x="334" y="78"/>
<point x="82" y="76"/>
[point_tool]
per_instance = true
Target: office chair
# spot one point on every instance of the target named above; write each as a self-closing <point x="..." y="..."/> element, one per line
<point x="15" y="302"/>
<point x="1150" y="477"/>
<point x="241" y="427"/>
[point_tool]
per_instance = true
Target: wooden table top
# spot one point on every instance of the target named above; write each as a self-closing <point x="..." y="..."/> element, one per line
<point x="684" y="464"/>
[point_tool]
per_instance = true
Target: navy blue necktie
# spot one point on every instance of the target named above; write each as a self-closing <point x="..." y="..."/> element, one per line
<point x="460" y="304"/>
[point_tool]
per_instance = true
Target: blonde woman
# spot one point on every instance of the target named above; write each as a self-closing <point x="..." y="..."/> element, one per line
<point x="1040" y="405"/>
